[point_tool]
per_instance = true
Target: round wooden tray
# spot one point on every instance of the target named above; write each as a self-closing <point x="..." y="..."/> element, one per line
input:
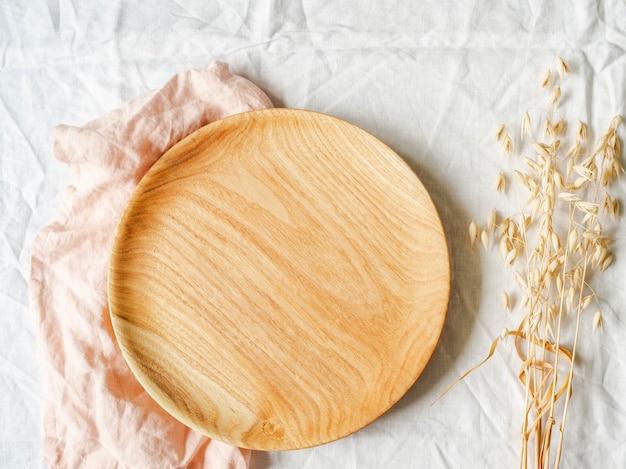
<point x="279" y="279"/>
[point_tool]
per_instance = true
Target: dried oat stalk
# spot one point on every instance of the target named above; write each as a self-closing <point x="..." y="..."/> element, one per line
<point x="556" y="243"/>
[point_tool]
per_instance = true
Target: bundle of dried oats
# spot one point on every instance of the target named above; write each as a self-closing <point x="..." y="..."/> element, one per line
<point x="555" y="243"/>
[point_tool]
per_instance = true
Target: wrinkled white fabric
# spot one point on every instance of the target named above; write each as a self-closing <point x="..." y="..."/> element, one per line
<point x="432" y="79"/>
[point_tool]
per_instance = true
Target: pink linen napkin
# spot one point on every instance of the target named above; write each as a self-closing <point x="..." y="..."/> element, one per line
<point x="96" y="413"/>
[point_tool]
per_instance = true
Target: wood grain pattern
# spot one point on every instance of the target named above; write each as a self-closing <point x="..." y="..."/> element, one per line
<point x="279" y="279"/>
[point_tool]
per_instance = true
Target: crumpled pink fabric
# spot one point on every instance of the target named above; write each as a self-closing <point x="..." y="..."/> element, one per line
<point x="96" y="413"/>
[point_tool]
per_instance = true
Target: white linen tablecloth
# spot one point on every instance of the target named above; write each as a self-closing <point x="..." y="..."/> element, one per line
<point x="432" y="79"/>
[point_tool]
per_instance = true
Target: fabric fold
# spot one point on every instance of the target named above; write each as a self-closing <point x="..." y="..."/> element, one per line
<point x="96" y="413"/>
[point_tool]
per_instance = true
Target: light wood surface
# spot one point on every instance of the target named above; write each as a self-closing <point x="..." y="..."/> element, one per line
<point x="279" y="279"/>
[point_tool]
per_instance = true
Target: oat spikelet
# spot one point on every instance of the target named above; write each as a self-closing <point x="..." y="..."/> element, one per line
<point x="506" y="301"/>
<point x="581" y="131"/>
<point x="510" y="257"/>
<point x="526" y="129"/>
<point x="606" y="262"/>
<point x="572" y="239"/>
<point x="559" y="285"/>
<point x="547" y="130"/>
<point x="558" y="129"/>
<point x="615" y="122"/>
<point x="484" y="238"/>
<point x="555" y="97"/>
<point x="568" y="197"/>
<point x="507" y="145"/>
<point x="586" y="301"/>
<point x="473" y="232"/>
<point x="500" y="183"/>
<point x="562" y="67"/>
<point x="574" y="151"/>
<point x="597" y="321"/>
<point x="501" y="133"/>
<point x="491" y="221"/>
<point x="546" y="79"/>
